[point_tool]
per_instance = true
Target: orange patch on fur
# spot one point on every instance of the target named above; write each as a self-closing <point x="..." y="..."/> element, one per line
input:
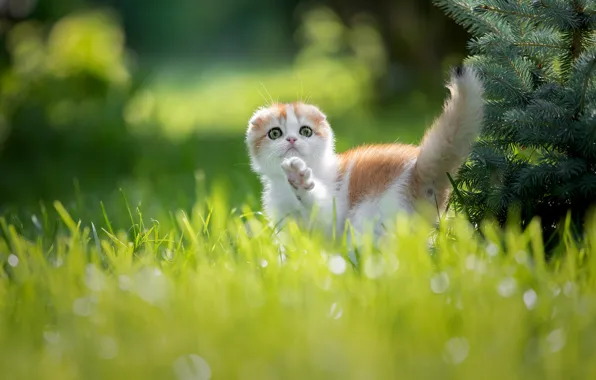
<point x="257" y="144"/>
<point x="296" y="106"/>
<point x="281" y="109"/>
<point x="312" y="113"/>
<point x="374" y="168"/>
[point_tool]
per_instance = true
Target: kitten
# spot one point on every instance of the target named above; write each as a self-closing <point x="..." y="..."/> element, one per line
<point x="291" y="148"/>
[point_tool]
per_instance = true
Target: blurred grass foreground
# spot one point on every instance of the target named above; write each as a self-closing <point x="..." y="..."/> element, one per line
<point x="131" y="245"/>
<point x="213" y="295"/>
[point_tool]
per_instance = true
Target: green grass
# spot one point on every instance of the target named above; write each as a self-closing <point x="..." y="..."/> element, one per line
<point x="167" y="280"/>
<point x="210" y="293"/>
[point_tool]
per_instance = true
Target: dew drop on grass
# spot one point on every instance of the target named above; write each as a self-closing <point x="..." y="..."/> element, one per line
<point x="336" y="311"/>
<point x="58" y="262"/>
<point x="456" y="350"/>
<point x="263" y="263"/>
<point x="94" y="278"/>
<point x="83" y="306"/>
<point x="337" y="264"/>
<point x="492" y="250"/>
<point x="150" y="285"/>
<point x="439" y="283"/>
<point x="13" y="261"/>
<point x="569" y="289"/>
<point x="530" y="298"/>
<point x="53" y="348"/>
<point x="51" y="337"/>
<point x="192" y="367"/>
<point x="373" y="267"/>
<point x="108" y="348"/>
<point x="507" y="287"/>
<point x="124" y="282"/>
<point x="473" y="263"/>
<point x="556" y="340"/>
<point x="521" y="257"/>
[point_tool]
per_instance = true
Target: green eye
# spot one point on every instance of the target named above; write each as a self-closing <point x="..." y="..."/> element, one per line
<point x="274" y="133"/>
<point x="306" y="131"/>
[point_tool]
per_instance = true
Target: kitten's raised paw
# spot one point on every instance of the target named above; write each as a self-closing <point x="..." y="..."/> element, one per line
<point x="298" y="173"/>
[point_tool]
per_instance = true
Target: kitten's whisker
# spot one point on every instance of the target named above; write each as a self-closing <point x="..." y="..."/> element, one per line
<point x="265" y="88"/>
<point x="264" y="98"/>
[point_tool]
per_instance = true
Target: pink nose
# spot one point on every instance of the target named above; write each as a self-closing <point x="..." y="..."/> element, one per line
<point x="292" y="140"/>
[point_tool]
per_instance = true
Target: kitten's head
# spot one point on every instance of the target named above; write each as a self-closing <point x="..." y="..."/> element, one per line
<point x="285" y="130"/>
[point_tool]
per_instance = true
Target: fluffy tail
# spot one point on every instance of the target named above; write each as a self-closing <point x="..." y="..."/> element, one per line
<point x="447" y="143"/>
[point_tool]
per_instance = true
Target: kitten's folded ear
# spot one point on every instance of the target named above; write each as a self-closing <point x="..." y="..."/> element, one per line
<point x="320" y="115"/>
<point x="256" y="121"/>
<point x="315" y="113"/>
<point x="259" y="118"/>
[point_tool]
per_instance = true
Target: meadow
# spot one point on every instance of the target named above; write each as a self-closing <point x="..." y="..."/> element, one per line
<point x="176" y="274"/>
<point x="132" y="243"/>
<point x="213" y="294"/>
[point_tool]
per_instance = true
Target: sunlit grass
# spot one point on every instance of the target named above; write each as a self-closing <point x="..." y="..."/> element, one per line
<point x="211" y="294"/>
<point x="335" y="68"/>
<point x="223" y="101"/>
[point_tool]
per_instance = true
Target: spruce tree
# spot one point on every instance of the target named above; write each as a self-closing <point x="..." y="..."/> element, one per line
<point x="537" y="153"/>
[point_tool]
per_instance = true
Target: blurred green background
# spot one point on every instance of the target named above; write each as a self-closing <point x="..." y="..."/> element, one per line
<point x="101" y="95"/>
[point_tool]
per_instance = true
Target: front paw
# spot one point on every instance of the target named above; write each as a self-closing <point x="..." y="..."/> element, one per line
<point x="299" y="175"/>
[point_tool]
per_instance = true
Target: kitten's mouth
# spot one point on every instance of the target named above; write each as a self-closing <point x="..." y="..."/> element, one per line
<point x="291" y="150"/>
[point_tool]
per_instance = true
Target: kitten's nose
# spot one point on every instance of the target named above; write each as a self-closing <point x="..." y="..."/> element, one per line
<point x="292" y="140"/>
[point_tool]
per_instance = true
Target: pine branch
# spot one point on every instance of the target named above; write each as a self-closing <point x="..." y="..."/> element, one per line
<point x="464" y="13"/>
<point x="584" y="69"/>
<point x="578" y="33"/>
<point x="538" y="44"/>
<point x="487" y="8"/>
<point x="561" y="13"/>
<point x="537" y="152"/>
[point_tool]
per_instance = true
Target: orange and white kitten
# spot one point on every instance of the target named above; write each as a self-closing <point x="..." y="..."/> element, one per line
<point x="292" y="149"/>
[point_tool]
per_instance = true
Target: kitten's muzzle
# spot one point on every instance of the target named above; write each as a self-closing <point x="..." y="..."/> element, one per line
<point x="291" y="149"/>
